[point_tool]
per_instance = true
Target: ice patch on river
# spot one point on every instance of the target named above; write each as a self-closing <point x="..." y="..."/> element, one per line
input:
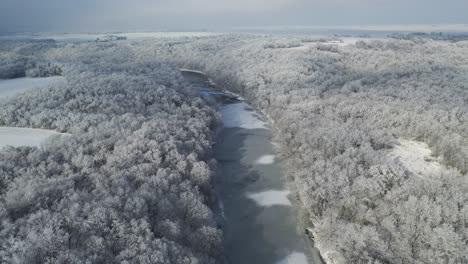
<point x="265" y="159"/>
<point x="294" y="258"/>
<point x="190" y="70"/>
<point x="270" y="198"/>
<point x="239" y="115"/>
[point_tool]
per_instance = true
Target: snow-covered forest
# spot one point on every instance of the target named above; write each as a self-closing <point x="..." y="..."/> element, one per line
<point x="339" y="110"/>
<point x="133" y="183"/>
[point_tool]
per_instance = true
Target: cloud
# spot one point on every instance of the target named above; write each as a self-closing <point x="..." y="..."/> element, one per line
<point x="202" y="7"/>
<point x="247" y="6"/>
<point x="102" y="15"/>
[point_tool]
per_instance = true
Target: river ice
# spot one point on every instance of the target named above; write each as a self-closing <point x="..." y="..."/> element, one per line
<point x="265" y="160"/>
<point x="239" y="115"/>
<point x="270" y="198"/>
<point x="294" y="258"/>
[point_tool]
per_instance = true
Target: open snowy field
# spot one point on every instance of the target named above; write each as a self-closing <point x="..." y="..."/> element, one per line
<point x="418" y="159"/>
<point x="15" y="136"/>
<point x="12" y="87"/>
<point x="306" y="45"/>
<point x="305" y="42"/>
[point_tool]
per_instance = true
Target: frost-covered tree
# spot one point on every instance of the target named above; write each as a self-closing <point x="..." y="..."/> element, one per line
<point x="114" y="191"/>
<point x="338" y="111"/>
<point x="138" y="162"/>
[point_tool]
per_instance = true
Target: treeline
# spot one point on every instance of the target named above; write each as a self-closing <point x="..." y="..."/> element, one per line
<point x="339" y="110"/>
<point x="433" y="35"/>
<point x="26" y="59"/>
<point x="132" y="184"/>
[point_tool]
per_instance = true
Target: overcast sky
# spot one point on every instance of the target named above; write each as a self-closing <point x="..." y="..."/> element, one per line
<point x="122" y="15"/>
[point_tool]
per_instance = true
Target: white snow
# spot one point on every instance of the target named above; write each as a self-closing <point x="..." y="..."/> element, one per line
<point x="342" y="42"/>
<point x="189" y="70"/>
<point x="417" y="158"/>
<point x="210" y="81"/>
<point x="15" y="136"/>
<point x="12" y="87"/>
<point x="294" y="258"/>
<point x="237" y="115"/>
<point x="332" y="257"/>
<point x="270" y="198"/>
<point x="265" y="159"/>
<point x="307" y="45"/>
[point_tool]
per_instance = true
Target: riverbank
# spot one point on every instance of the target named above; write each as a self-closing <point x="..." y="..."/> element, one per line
<point x="260" y="219"/>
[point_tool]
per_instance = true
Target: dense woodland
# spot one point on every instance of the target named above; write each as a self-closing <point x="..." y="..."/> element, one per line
<point x="133" y="182"/>
<point x="338" y="111"/>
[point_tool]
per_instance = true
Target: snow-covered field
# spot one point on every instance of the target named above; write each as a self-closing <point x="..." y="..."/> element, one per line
<point x="15" y="136"/>
<point x="12" y="87"/>
<point x="270" y="198"/>
<point x="417" y="158"/>
<point x="239" y="115"/>
<point x="343" y="41"/>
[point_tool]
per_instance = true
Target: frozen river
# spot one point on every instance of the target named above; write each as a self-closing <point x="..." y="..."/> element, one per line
<point x="259" y="218"/>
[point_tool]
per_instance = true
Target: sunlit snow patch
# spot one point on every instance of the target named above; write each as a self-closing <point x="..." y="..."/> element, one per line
<point x="15" y="136"/>
<point x="270" y="198"/>
<point x="238" y="115"/>
<point x="266" y="159"/>
<point x="294" y="258"/>
<point x="417" y="158"/>
<point x="12" y="87"/>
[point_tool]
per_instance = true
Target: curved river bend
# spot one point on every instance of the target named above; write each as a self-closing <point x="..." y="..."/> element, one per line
<point x="259" y="222"/>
